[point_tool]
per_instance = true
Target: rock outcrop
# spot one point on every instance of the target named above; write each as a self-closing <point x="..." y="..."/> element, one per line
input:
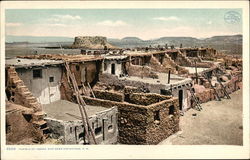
<point x="88" y="42"/>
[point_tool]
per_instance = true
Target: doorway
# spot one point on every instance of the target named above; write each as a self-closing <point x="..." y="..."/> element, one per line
<point x="180" y="97"/>
<point x="113" y="68"/>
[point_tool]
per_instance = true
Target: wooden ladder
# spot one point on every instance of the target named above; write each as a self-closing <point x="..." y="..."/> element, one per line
<point x="196" y="100"/>
<point x="81" y="104"/>
<point x="223" y="87"/>
<point x="217" y="96"/>
<point x="91" y="90"/>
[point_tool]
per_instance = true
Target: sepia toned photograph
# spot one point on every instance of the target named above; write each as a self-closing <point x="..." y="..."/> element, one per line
<point x="123" y="76"/>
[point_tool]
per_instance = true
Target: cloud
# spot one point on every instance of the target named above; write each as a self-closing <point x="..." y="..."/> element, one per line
<point x="209" y="22"/>
<point x="171" y="18"/>
<point x="63" y="18"/>
<point x="13" y="24"/>
<point x="56" y="25"/>
<point x="112" y="23"/>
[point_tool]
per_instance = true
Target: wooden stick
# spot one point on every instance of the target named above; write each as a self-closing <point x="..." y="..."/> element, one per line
<point x="81" y="103"/>
<point x="91" y="90"/>
<point x="80" y="108"/>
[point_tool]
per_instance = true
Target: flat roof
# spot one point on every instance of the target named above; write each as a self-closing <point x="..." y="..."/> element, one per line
<point x="65" y="57"/>
<point x="199" y="69"/>
<point x="143" y="53"/>
<point x="23" y="62"/>
<point x="163" y="79"/>
<point x="110" y="57"/>
<point x="69" y="111"/>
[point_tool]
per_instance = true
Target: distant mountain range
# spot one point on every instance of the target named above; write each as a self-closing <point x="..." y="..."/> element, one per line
<point x="33" y="39"/>
<point x="231" y="44"/>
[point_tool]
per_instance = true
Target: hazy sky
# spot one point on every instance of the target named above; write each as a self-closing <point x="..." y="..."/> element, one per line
<point x="119" y="23"/>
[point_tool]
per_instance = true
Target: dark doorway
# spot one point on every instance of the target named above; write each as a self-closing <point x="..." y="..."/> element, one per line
<point x="180" y="97"/>
<point x="113" y="68"/>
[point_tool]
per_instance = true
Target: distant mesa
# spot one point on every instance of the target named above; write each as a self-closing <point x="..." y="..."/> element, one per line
<point x="88" y="42"/>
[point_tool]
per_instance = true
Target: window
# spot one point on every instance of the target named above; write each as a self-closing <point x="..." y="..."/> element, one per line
<point x="98" y="131"/>
<point x="157" y="115"/>
<point x="77" y="68"/>
<point x="113" y="68"/>
<point x="171" y="110"/>
<point x="51" y="79"/>
<point x="105" y="67"/>
<point x="37" y="73"/>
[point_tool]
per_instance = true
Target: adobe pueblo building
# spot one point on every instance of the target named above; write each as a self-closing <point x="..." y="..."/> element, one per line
<point x="122" y="96"/>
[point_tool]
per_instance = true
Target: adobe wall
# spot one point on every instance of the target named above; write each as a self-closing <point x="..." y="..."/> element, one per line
<point x="18" y="93"/>
<point x="108" y="67"/>
<point x="208" y="94"/>
<point x="186" y="96"/>
<point x="72" y="132"/>
<point x="86" y="72"/>
<point x="139" y="124"/>
<point x="19" y="130"/>
<point x="109" y="95"/>
<point x="41" y="87"/>
<point x="157" y="66"/>
<point x="168" y="123"/>
<point x="113" y="80"/>
<point x="146" y="98"/>
<point x="140" y="71"/>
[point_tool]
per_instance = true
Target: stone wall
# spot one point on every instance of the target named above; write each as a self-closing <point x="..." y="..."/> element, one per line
<point x="109" y="95"/>
<point x="115" y="81"/>
<point x="141" y="123"/>
<point x="147" y="98"/>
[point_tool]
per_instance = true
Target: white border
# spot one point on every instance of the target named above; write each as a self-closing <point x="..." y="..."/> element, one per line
<point x="132" y="151"/>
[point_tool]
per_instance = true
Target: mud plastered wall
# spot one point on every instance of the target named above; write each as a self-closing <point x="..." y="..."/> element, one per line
<point x="45" y="87"/>
<point x="157" y="66"/>
<point x="117" y="67"/>
<point x="18" y="92"/>
<point x="209" y="94"/>
<point x="19" y="130"/>
<point x="72" y="132"/>
<point x="87" y="72"/>
<point x="84" y="72"/>
<point x="140" y="71"/>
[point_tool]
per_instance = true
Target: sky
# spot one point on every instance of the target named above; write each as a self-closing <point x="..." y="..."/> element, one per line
<point x="119" y="23"/>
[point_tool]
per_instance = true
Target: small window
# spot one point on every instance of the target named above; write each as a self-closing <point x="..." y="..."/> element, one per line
<point x="171" y="110"/>
<point x="51" y="79"/>
<point x="157" y="115"/>
<point x="98" y="131"/>
<point x="37" y="73"/>
<point x="77" y="68"/>
<point x="113" y="68"/>
<point x="105" y="67"/>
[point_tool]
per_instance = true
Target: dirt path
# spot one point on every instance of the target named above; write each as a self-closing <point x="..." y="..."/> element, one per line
<point x="220" y="122"/>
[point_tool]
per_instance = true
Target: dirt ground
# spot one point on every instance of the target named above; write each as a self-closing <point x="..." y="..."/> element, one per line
<point x="220" y="122"/>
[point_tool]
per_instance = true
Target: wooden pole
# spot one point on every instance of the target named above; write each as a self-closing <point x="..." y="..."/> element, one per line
<point x="81" y="104"/>
<point x="169" y="72"/>
<point x="78" y="102"/>
<point x="196" y="74"/>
